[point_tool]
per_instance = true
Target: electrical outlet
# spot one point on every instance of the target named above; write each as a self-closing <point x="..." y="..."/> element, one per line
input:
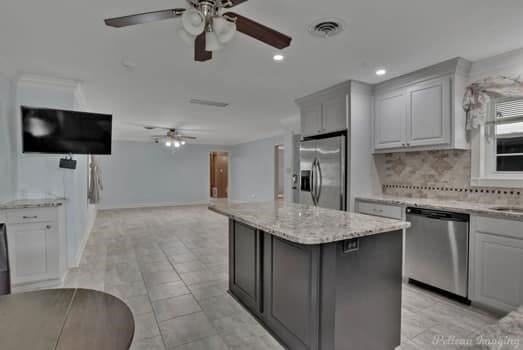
<point x="351" y="245"/>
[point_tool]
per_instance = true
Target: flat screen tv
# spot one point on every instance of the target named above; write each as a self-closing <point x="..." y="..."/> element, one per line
<point x="62" y="132"/>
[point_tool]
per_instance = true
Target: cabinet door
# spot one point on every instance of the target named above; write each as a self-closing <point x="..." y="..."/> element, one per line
<point x="335" y="114"/>
<point x="33" y="252"/>
<point x="244" y="264"/>
<point x="390" y="120"/>
<point x="498" y="271"/>
<point x="291" y="292"/>
<point x="311" y="120"/>
<point x="429" y="113"/>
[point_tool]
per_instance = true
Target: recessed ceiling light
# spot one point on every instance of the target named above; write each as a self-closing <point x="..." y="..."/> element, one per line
<point x="381" y="72"/>
<point x="278" y="57"/>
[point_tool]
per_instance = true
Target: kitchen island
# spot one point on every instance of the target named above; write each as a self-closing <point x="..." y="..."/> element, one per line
<point x="317" y="278"/>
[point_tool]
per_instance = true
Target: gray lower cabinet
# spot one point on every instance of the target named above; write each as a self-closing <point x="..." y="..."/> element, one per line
<point x="291" y="292"/>
<point x="334" y="296"/>
<point x="245" y="265"/>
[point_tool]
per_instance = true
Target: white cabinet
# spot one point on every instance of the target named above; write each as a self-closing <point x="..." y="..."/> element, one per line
<point x="422" y="110"/>
<point x="429" y="113"/>
<point x="37" y="248"/>
<point x="390" y="120"/>
<point x="325" y="111"/>
<point x="496" y="263"/>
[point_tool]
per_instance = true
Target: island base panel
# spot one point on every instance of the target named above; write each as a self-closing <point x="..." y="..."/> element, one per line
<point x="335" y="296"/>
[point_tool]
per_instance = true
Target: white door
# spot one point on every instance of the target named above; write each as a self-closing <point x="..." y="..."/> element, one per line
<point x="429" y="113"/>
<point x="335" y="114"/>
<point x="33" y="252"/>
<point x="498" y="271"/>
<point x="311" y="120"/>
<point x="390" y="120"/>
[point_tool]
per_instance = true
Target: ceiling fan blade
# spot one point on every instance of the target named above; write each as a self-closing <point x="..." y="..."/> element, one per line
<point x="200" y="54"/>
<point x="232" y="3"/>
<point x="187" y="137"/>
<point x="260" y="32"/>
<point x="131" y="20"/>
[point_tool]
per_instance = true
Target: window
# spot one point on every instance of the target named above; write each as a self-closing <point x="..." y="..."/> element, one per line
<point x="497" y="147"/>
<point x="508" y="123"/>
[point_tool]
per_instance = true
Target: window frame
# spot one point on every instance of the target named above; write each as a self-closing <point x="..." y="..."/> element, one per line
<point x="484" y="155"/>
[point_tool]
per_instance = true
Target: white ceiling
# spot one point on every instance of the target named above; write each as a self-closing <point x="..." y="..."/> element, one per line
<point x="67" y="38"/>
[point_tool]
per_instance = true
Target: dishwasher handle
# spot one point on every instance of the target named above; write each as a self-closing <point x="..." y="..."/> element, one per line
<point x="438" y="214"/>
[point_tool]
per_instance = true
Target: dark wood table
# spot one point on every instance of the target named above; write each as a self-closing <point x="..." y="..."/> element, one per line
<point x="65" y="319"/>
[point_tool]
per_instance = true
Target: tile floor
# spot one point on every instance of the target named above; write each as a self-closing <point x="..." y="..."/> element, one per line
<point x="170" y="266"/>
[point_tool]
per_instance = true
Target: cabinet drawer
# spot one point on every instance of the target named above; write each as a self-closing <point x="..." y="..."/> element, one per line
<point x="384" y="210"/>
<point x="22" y="216"/>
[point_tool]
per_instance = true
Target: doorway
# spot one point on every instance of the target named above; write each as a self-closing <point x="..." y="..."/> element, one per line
<point x="219" y="176"/>
<point x="279" y="172"/>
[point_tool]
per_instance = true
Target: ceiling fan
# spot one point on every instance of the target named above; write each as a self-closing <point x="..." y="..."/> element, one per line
<point x="208" y="25"/>
<point x="173" y="137"/>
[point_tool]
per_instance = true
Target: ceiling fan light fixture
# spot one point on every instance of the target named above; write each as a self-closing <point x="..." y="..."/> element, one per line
<point x="168" y="143"/>
<point x="183" y="142"/>
<point x="224" y="28"/>
<point x="176" y="144"/>
<point x="186" y="37"/>
<point x="211" y="42"/>
<point x="193" y="22"/>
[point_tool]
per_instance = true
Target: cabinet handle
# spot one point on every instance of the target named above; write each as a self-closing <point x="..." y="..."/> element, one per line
<point x="403" y="145"/>
<point x="29" y="217"/>
<point x="408" y="144"/>
<point x="48" y="227"/>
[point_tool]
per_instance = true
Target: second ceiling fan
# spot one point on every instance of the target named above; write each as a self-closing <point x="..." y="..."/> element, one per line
<point x="208" y="25"/>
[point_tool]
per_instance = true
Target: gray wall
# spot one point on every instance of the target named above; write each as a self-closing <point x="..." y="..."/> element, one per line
<point x="145" y="174"/>
<point x="252" y="170"/>
<point x="38" y="175"/>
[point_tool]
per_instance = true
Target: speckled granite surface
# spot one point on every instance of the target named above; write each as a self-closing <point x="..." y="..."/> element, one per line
<point x="306" y="225"/>
<point x="507" y="334"/>
<point x="445" y="204"/>
<point x="33" y="203"/>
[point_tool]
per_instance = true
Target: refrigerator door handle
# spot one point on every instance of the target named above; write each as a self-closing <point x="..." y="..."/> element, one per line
<point x="320" y="180"/>
<point x="312" y="179"/>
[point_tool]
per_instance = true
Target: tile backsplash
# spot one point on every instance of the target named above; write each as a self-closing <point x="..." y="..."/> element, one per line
<point x="438" y="174"/>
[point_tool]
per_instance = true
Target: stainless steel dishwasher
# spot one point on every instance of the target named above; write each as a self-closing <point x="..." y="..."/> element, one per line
<point x="437" y="250"/>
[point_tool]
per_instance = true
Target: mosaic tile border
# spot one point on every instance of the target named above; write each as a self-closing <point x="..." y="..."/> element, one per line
<point x="454" y="189"/>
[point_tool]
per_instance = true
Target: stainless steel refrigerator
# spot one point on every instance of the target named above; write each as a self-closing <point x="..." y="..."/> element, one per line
<point x="323" y="172"/>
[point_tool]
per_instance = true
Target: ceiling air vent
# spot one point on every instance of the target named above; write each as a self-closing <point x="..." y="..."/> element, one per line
<point x="208" y="103"/>
<point x="326" y="28"/>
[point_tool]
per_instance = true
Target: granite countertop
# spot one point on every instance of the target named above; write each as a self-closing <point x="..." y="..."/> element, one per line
<point x="33" y="203"/>
<point x="304" y="224"/>
<point x="507" y="334"/>
<point x="445" y="204"/>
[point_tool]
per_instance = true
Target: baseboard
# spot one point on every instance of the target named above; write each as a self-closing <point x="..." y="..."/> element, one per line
<point x="150" y="205"/>
<point x="31" y="286"/>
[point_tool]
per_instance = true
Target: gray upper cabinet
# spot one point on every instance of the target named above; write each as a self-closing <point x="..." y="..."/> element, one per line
<point x="325" y="111"/>
<point x="429" y="113"/>
<point x="422" y="110"/>
<point x="311" y="120"/>
<point x="335" y="113"/>
<point x="390" y="120"/>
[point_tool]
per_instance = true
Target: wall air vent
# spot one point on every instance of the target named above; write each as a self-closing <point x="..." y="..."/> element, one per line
<point x="327" y="27"/>
<point x="208" y="103"/>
